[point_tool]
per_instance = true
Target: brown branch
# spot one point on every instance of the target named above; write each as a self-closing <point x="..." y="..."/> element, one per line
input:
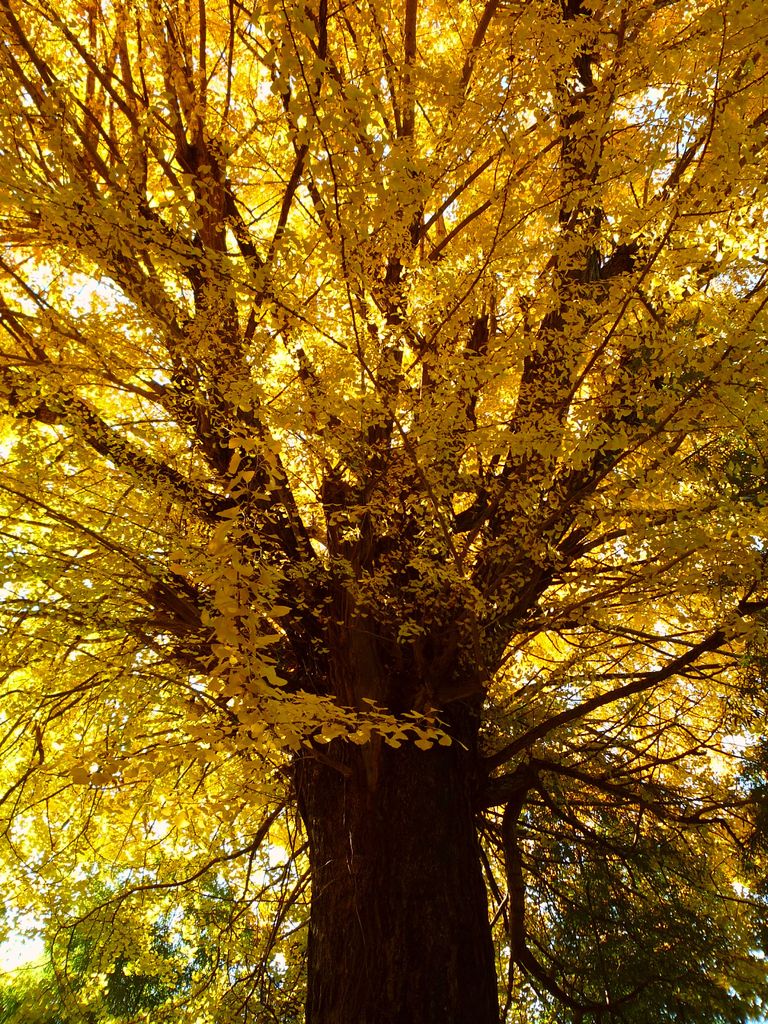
<point x="258" y="838"/>
<point x="499" y="790"/>
<point x="458" y="190"/>
<point x="465" y="222"/>
<point x="477" y="41"/>
<point x="409" y="97"/>
<point x="321" y="49"/>
<point x="647" y="681"/>
<point x="288" y="197"/>
<point x="76" y="414"/>
<point x="524" y="779"/>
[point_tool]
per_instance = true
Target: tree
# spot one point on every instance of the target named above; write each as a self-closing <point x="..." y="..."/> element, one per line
<point x="152" y="976"/>
<point x="385" y="440"/>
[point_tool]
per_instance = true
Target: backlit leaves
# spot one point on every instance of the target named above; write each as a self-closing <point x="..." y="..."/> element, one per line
<point x="347" y="373"/>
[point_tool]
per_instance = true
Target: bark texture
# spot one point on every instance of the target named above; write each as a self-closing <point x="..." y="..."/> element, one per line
<point x="399" y="928"/>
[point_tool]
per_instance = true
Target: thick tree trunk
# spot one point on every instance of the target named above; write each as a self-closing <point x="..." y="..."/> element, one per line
<point x="399" y="930"/>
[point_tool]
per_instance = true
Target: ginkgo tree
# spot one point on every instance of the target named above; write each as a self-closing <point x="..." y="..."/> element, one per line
<point x="384" y="439"/>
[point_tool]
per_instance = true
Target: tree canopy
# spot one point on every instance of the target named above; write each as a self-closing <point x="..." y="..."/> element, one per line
<point x="383" y="397"/>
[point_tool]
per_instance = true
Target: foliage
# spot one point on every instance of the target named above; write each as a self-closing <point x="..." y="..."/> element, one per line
<point x="149" y="966"/>
<point x="360" y="363"/>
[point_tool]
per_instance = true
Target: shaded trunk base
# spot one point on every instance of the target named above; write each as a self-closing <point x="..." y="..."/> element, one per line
<point x="399" y="930"/>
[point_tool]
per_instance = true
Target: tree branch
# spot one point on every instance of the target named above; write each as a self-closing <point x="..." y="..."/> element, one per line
<point x="646" y="682"/>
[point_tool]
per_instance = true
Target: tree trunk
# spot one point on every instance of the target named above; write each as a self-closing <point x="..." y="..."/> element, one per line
<point x="399" y="928"/>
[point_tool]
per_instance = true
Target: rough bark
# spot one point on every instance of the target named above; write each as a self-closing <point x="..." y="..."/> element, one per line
<point x="399" y="928"/>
